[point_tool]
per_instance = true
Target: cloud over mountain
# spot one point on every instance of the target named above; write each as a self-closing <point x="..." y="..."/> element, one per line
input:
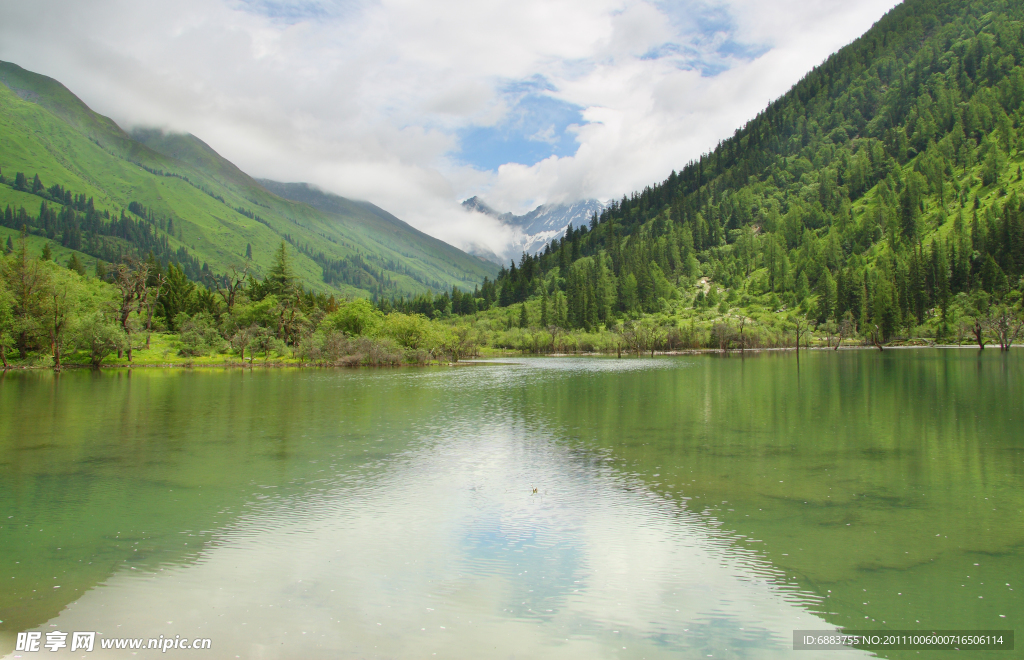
<point x="415" y="106"/>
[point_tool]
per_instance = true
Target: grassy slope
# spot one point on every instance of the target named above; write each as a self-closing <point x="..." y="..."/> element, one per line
<point x="45" y="129"/>
<point x="370" y="229"/>
<point x="383" y="228"/>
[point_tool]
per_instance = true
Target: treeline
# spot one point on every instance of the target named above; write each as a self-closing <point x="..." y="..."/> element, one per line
<point x="73" y="220"/>
<point x="457" y="302"/>
<point x="884" y="190"/>
<point x="60" y="315"/>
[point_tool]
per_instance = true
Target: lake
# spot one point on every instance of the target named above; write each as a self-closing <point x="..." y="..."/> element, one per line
<point x="680" y="507"/>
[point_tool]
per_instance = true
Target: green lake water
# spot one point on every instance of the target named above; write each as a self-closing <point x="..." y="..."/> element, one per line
<point x="679" y="507"/>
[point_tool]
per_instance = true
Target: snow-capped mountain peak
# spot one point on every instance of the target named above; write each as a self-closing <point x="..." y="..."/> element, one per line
<point x="534" y="230"/>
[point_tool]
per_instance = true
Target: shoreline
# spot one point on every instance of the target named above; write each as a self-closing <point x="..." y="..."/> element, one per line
<point x="483" y="360"/>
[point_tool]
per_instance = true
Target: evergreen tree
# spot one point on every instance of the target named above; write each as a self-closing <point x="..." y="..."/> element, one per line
<point x="46" y="256"/>
<point x="76" y="265"/>
<point x="280" y="280"/>
<point x="827" y="294"/>
<point x="176" y="296"/>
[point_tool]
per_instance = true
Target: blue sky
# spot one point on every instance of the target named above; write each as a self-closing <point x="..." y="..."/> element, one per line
<point x="535" y="127"/>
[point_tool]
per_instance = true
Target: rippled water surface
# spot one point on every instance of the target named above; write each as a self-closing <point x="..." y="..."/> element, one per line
<point x="539" y="508"/>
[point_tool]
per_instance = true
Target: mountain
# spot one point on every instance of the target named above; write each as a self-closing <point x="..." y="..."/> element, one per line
<point x="94" y="189"/>
<point x="883" y="194"/>
<point x="386" y="229"/>
<point x="536" y="229"/>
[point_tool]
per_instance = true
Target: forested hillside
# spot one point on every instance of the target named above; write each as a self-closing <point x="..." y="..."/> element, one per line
<point x="75" y="178"/>
<point x="882" y="196"/>
<point x="880" y="200"/>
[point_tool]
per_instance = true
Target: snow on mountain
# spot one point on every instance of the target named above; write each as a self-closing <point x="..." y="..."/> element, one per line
<point x="533" y="230"/>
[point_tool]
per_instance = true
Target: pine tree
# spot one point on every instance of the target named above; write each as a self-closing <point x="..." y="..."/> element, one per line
<point x="9" y="247"/>
<point x="280" y="280"/>
<point x="76" y="265"/>
<point x="176" y="296"/>
<point x="524" y="319"/>
<point x="827" y="293"/>
<point x="248" y="250"/>
<point x="46" y="256"/>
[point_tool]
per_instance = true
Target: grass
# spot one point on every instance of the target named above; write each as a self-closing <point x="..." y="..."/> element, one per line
<point x="162" y="352"/>
<point x="60" y="254"/>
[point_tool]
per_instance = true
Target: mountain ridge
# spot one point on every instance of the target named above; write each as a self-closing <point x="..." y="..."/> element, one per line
<point x="192" y="206"/>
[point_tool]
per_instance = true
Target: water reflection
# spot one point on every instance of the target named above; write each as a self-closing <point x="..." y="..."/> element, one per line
<point x="684" y="507"/>
<point x="449" y="551"/>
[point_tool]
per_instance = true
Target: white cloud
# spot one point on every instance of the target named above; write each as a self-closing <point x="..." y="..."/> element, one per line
<point x="365" y="98"/>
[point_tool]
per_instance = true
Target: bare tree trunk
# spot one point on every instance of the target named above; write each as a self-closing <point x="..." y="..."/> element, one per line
<point x="3" y="357"/>
<point x="978" y="332"/>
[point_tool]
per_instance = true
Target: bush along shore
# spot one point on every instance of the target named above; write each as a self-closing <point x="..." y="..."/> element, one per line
<point x="139" y="313"/>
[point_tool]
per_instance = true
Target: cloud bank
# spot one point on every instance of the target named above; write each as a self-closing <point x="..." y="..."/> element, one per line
<point x="415" y="106"/>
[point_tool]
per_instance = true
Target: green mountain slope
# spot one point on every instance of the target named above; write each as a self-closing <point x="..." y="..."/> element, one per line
<point x="175" y="196"/>
<point x="385" y="228"/>
<point x="885" y="189"/>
